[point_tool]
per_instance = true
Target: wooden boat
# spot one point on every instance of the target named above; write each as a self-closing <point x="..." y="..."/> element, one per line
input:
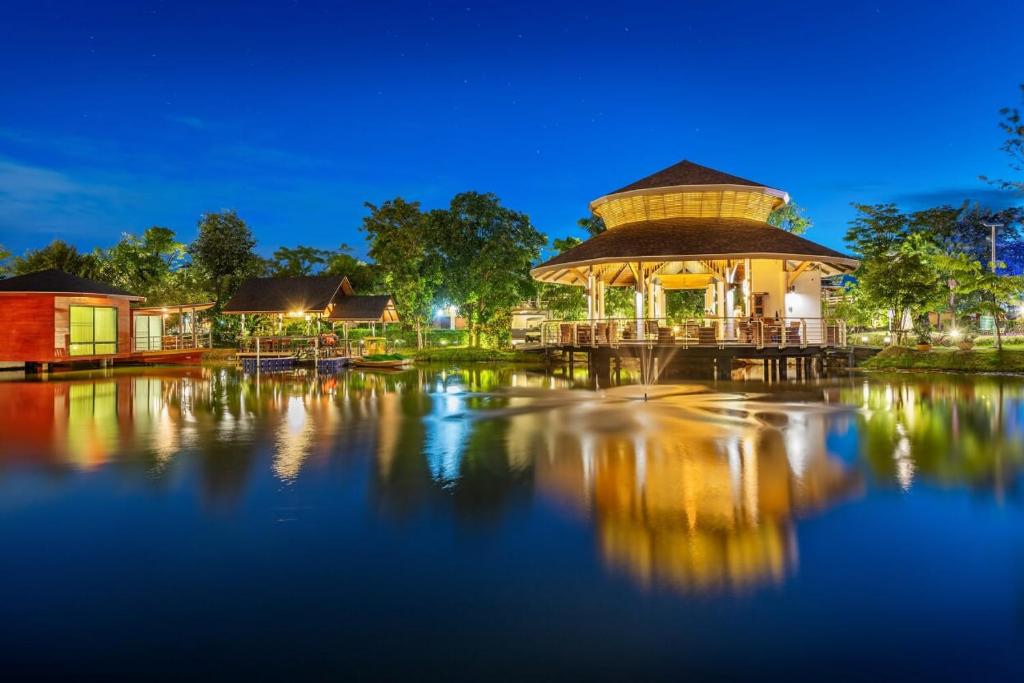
<point x="382" y="364"/>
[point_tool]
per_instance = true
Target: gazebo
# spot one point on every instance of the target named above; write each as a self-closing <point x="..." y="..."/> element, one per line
<point x="692" y="227"/>
<point x="316" y="299"/>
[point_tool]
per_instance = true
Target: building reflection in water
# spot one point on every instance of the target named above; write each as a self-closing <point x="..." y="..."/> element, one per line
<point x="692" y="490"/>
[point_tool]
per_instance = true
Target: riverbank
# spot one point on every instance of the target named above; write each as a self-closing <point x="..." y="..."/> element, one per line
<point x="471" y="355"/>
<point x="950" y="360"/>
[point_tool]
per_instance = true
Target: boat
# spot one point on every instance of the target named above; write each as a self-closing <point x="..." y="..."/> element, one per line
<point x="382" y="364"/>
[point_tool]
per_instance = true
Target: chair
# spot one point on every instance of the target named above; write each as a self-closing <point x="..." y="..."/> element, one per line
<point x="565" y="334"/>
<point x="707" y="335"/>
<point x="832" y="335"/>
<point x="793" y="334"/>
<point x="744" y="332"/>
<point x="583" y="337"/>
<point x="601" y="333"/>
<point x="691" y="331"/>
<point x="665" y="335"/>
<point x="650" y="328"/>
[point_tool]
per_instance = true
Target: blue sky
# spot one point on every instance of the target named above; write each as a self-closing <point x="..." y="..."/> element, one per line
<point x="118" y="116"/>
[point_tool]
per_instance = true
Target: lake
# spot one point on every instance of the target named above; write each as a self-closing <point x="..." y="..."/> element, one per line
<point x="505" y="523"/>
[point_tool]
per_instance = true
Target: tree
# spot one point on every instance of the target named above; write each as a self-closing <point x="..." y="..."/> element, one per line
<point x="791" y="217"/>
<point x="361" y="275"/>
<point x="145" y="265"/>
<point x="486" y="251"/>
<point x="566" y="302"/>
<point x="898" y="271"/>
<point x="994" y="291"/>
<point x="594" y="225"/>
<point x="1013" y="125"/>
<point x="399" y="244"/>
<point x="878" y="230"/>
<point x="682" y="304"/>
<point x="61" y="255"/>
<point x="224" y="251"/>
<point x="297" y="261"/>
<point x="4" y="256"/>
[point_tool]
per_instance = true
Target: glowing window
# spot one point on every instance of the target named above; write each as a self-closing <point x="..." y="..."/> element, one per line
<point x="93" y="331"/>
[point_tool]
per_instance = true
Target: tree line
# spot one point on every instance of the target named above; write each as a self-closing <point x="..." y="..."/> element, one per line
<point x="474" y="254"/>
<point x="940" y="260"/>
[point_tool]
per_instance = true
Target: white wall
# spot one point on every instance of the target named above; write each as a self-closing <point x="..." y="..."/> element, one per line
<point x="805" y="299"/>
<point x="767" y="276"/>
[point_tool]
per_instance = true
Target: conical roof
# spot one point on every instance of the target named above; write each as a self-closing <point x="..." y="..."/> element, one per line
<point x="686" y="173"/>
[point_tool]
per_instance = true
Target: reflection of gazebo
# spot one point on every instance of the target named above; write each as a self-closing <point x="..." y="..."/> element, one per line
<point x="691" y="227"/>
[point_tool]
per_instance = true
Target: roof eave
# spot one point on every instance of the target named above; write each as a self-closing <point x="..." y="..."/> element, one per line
<point x="846" y="262"/>
<point x="127" y="297"/>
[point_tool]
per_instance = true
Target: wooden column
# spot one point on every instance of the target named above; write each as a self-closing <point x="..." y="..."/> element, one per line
<point x="591" y="295"/>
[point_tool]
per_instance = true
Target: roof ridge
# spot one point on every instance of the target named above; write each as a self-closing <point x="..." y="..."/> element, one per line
<point x="686" y="172"/>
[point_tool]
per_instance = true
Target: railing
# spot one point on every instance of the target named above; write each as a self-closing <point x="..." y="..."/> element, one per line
<point x="321" y="346"/>
<point x="170" y="342"/>
<point x="696" y="332"/>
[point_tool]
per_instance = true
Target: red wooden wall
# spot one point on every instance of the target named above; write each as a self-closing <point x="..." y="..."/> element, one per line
<point x="26" y="327"/>
<point x="36" y="327"/>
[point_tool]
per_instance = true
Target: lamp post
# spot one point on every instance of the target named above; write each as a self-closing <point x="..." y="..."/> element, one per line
<point x="992" y="239"/>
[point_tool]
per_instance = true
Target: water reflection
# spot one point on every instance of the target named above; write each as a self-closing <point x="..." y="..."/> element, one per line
<point x="695" y="491"/>
<point x="949" y="431"/>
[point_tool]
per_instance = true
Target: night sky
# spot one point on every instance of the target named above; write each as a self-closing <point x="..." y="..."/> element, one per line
<point x="118" y="116"/>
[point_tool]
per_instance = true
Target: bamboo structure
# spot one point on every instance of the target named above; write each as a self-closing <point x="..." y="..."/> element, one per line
<point x="692" y="227"/>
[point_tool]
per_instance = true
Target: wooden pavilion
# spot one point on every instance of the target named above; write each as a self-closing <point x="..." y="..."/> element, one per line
<point x="692" y="227"/>
<point x="316" y="299"/>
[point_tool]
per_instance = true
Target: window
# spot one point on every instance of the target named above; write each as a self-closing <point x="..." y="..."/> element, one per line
<point x="93" y="331"/>
<point x="149" y="331"/>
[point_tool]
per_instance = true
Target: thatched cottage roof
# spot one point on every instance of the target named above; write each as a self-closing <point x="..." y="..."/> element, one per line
<point x="692" y="239"/>
<point x="686" y="173"/>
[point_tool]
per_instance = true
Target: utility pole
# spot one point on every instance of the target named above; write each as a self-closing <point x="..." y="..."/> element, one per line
<point x="992" y="239"/>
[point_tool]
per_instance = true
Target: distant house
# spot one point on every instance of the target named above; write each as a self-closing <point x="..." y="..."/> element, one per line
<point x="323" y="298"/>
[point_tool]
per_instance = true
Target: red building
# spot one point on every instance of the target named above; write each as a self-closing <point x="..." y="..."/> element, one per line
<point x="50" y="317"/>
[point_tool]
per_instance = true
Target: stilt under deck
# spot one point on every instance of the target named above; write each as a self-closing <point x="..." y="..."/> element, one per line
<point x="673" y="360"/>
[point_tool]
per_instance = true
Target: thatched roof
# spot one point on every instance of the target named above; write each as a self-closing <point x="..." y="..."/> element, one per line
<point x="692" y="239"/>
<point x="312" y="294"/>
<point x="364" y="309"/>
<point x="686" y="173"/>
<point x="54" y="281"/>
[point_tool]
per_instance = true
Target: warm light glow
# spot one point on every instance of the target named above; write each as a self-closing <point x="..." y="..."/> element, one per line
<point x="888" y="339"/>
<point x="296" y="314"/>
<point x="864" y="338"/>
<point x="954" y="333"/>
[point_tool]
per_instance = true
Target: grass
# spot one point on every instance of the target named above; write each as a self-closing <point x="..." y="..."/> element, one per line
<point x="976" y="360"/>
<point x="465" y="354"/>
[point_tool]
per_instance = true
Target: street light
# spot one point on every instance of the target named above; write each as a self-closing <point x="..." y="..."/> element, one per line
<point x="992" y="239"/>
